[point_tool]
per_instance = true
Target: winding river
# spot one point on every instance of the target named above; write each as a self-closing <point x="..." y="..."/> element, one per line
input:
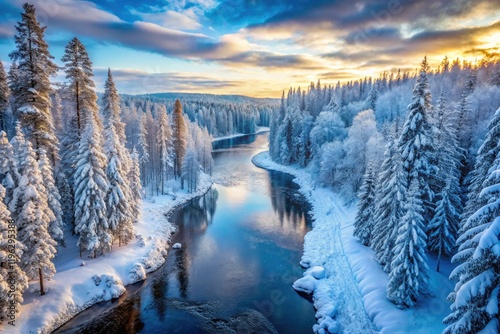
<point x="241" y="247"/>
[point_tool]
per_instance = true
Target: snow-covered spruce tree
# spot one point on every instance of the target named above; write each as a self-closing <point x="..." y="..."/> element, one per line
<point x="33" y="220"/>
<point x="81" y="88"/>
<point x="390" y="196"/>
<point x="18" y="143"/>
<point x="164" y="145"/>
<point x="408" y="279"/>
<point x="13" y="281"/>
<point x="31" y="91"/>
<point x="363" y="225"/>
<point x="486" y="155"/>
<point x="416" y="144"/>
<point x="443" y="228"/>
<point x="205" y="152"/>
<point x="143" y="148"/>
<point x="118" y="197"/>
<point x="134" y="177"/>
<point x="53" y="198"/>
<point x="372" y="98"/>
<point x="285" y="137"/>
<point x="191" y="168"/>
<point x="277" y="120"/>
<point x="91" y="188"/>
<point x="111" y="111"/>
<point x="9" y="176"/>
<point x="4" y="98"/>
<point x="477" y="292"/>
<point x="179" y="137"/>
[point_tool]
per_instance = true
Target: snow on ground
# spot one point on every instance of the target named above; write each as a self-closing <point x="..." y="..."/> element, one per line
<point x="260" y="129"/>
<point x="80" y="283"/>
<point x="353" y="294"/>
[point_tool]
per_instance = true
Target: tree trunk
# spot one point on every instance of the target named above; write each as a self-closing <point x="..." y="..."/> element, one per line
<point x="42" y="291"/>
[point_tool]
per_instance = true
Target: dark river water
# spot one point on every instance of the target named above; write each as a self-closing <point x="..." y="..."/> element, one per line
<point x="241" y="247"/>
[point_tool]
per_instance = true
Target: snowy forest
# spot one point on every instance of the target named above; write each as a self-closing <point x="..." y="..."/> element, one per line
<point x="78" y="162"/>
<point x="420" y="151"/>
<point x="408" y="163"/>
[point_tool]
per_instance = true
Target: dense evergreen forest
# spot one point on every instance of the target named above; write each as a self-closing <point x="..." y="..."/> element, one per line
<point x="421" y="152"/>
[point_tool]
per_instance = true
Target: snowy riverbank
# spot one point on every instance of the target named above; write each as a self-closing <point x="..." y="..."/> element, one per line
<point x="76" y="287"/>
<point x="354" y="291"/>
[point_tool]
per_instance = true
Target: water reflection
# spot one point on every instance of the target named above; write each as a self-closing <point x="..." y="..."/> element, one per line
<point x="241" y="247"/>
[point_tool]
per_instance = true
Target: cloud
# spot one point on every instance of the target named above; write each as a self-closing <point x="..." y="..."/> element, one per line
<point x="185" y="20"/>
<point x="84" y="18"/>
<point x="272" y="60"/>
<point x="142" y="82"/>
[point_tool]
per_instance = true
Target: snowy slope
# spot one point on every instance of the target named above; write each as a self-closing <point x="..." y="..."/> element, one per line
<point x="356" y="284"/>
<point x="76" y="287"/>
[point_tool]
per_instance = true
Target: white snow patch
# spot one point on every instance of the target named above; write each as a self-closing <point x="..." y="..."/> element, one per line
<point x="177" y="246"/>
<point x="305" y="284"/>
<point x="317" y="272"/>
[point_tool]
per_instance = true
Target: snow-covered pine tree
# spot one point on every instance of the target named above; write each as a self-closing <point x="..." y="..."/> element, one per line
<point x="364" y="223"/>
<point x="18" y="143"/>
<point x="372" y="98"/>
<point x="205" y="152"/>
<point x="4" y="98"/>
<point x="81" y="88"/>
<point x="191" y="168"/>
<point x="486" y="155"/>
<point x="111" y="111"/>
<point x="134" y="177"/>
<point x="390" y="196"/>
<point x="164" y="145"/>
<point x="416" y="143"/>
<point x="443" y="228"/>
<point x="91" y="188"/>
<point x="118" y="197"/>
<point x="53" y="198"/>
<point x="143" y="148"/>
<point x="33" y="219"/>
<point x="285" y="139"/>
<point x="477" y="293"/>
<point x="408" y="279"/>
<point x="9" y="176"/>
<point x="31" y="90"/>
<point x="179" y="137"/>
<point x="11" y="251"/>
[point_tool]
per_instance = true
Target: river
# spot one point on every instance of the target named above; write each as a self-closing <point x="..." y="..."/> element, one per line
<point x="241" y="247"/>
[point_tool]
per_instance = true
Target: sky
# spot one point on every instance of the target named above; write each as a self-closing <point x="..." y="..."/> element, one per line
<point x="258" y="47"/>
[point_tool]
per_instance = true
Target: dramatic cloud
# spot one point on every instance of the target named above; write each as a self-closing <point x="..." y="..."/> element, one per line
<point x="142" y="82"/>
<point x="272" y="43"/>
